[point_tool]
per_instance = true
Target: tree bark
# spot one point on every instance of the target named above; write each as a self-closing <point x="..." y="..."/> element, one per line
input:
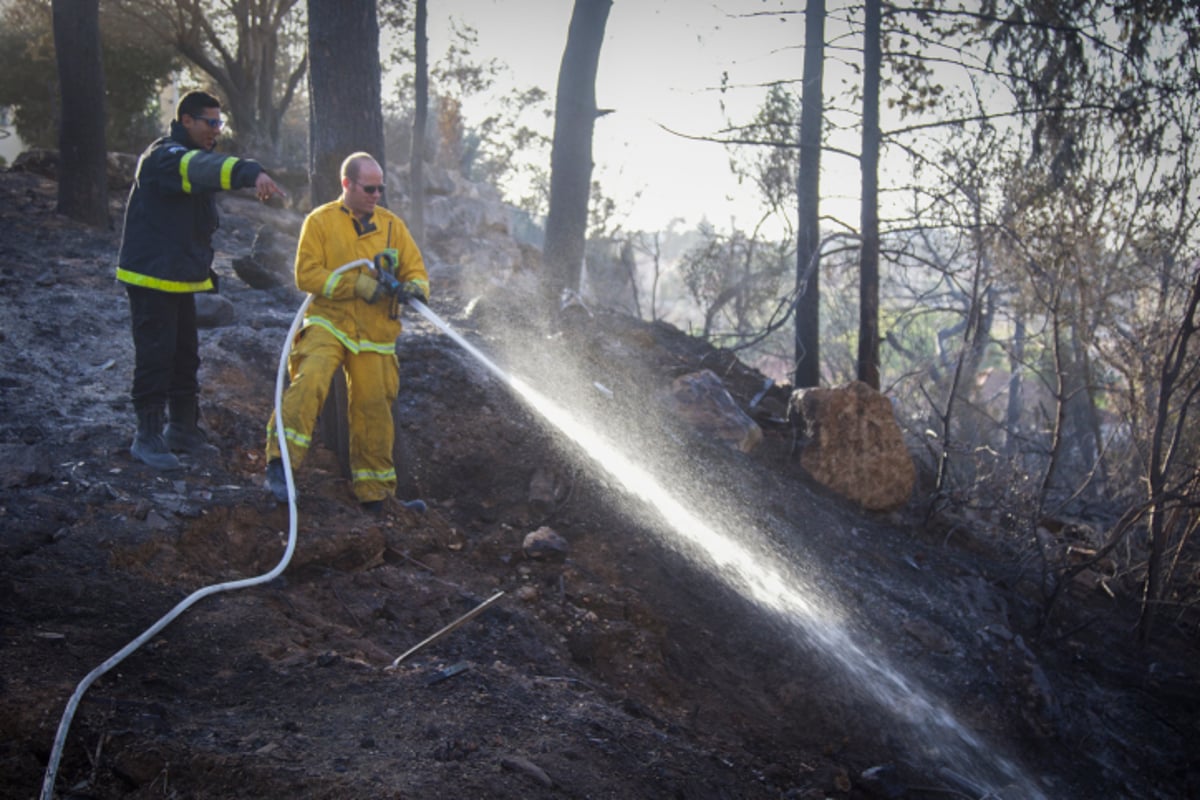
<point x="868" y="281"/>
<point x="346" y="114"/>
<point x="82" y="174"/>
<point x="808" y="252"/>
<point x="571" y="152"/>
<point x="416" y="170"/>
<point x="1016" y="367"/>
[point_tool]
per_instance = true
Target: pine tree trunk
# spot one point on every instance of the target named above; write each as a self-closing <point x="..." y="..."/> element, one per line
<point x="344" y="92"/>
<point x="808" y="273"/>
<point x="868" y="280"/>
<point x="83" y="160"/>
<point x="416" y="171"/>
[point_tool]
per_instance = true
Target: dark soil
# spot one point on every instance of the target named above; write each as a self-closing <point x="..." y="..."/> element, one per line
<point x="635" y="665"/>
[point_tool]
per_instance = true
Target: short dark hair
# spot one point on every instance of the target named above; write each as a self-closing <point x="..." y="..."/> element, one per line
<point x="194" y="103"/>
<point x="352" y="166"/>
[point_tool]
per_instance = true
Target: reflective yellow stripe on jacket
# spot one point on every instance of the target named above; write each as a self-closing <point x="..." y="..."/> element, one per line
<point x="353" y="345"/>
<point x="226" y="171"/>
<point x="163" y="285"/>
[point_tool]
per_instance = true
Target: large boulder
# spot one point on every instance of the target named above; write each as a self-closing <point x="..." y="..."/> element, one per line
<point x="853" y="445"/>
<point x="269" y="264"/>
<point x="464" y="215"/>
<point x="439" y="181"/>
<point x="702" y="400"/>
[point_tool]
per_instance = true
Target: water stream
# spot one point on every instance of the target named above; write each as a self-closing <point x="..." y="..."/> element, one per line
<point x="966" y="761"/>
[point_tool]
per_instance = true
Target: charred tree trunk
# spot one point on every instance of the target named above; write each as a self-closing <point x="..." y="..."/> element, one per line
<point x="416" y="171"/>
<point x="575" y="115"/>
<point x="868" y="281"/>
<point x="808" y="251"/>
<point x="82" y="174"/>
<point x="344" y="91"/>
<point x="1012" y="419"/>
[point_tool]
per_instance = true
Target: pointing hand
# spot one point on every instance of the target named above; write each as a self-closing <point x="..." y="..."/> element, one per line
<point x="266" y="188"/>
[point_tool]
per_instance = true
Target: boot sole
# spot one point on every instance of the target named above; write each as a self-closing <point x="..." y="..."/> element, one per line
<point x="166" y="462"/>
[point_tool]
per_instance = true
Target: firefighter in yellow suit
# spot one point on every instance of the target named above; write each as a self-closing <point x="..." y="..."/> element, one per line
<point x="352" y="323"/>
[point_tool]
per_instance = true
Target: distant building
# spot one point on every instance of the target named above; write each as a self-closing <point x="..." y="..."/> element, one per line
<point x="11" y="145"/>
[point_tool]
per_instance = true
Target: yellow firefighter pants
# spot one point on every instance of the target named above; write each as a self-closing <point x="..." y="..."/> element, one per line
<point x="372" y="383"/>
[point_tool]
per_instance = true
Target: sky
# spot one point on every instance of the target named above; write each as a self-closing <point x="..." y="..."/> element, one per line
<point x="660" y="68"/>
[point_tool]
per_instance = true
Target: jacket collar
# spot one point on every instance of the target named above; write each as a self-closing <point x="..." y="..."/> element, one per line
<point x="360" y="227"/>
<point x="180" y="134"/>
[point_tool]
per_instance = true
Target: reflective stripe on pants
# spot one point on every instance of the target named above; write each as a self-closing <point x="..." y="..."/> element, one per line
<point x="372" y="383"/>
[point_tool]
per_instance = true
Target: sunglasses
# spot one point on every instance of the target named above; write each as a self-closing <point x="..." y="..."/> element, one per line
<point x="216" y="123"/>
<point x="371" y="189"/>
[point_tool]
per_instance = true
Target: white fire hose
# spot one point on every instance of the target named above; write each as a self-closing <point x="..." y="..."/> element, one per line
<point x="69" y="713"/>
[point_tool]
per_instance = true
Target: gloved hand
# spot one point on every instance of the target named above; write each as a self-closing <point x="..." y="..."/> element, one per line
<point x="388" y="284"/>
<point x="388" y="261"/>
<point x="367" y="288"/>
<point x="414" y="290"/>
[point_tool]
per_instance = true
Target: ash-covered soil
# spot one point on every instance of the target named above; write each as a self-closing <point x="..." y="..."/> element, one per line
<point x="902" y="661"/>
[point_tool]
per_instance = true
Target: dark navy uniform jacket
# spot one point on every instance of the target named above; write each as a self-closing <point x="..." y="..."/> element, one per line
<point x="172" y="214"/>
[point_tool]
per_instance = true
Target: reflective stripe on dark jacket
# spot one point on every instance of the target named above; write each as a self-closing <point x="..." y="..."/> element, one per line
<point x="172" y="214"/>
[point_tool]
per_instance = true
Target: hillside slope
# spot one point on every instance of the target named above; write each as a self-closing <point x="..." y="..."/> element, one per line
<point x="717" y="627"/>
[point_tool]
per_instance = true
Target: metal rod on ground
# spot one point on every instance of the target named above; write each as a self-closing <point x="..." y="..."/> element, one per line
<point x="464" y="618"/>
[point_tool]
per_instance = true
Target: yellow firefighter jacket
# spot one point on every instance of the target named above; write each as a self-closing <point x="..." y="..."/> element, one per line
<point x="332" y="237"/>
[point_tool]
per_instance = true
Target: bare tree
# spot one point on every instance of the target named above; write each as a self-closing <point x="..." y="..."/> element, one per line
<point x="650" y="245"/>
<point x="575" y="115"/>
<point x="243" y="48"/>
<point x="868" y="282"/>
<point x="416" y="170"/>
<point x="808" y="250"/>
<point x="82" y="180"/>
<point x="1173" y="483"/>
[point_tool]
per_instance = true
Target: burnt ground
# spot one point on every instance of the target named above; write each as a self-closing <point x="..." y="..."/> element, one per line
<point x="632" y="667"/>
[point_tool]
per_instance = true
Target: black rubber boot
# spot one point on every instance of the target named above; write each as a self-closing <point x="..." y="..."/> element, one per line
<point x="183" y="433"/>
<point x="148" y="444"/>
<point x="277" y="480"/>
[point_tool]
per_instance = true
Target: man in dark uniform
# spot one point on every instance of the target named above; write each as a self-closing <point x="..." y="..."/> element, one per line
<point x="166" y="257"/>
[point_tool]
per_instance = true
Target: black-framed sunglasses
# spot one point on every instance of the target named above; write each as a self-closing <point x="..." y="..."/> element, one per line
<point x="370" y="189"/>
